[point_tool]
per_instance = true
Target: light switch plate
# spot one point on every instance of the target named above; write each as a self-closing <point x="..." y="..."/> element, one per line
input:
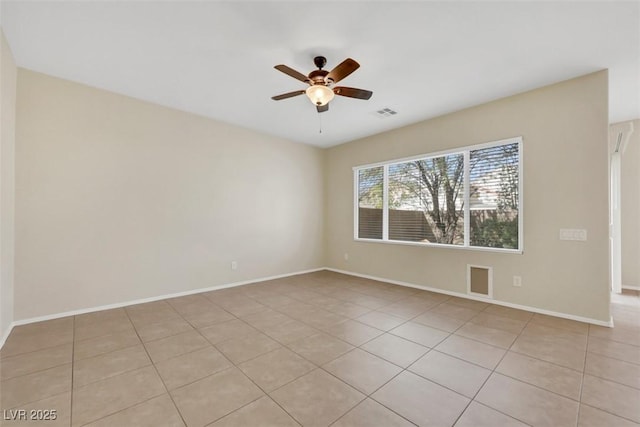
<point x="573" y="234"/>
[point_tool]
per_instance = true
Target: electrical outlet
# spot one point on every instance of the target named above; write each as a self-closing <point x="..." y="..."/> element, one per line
<point x="346" y="256"/>
<point x="517" y="281"/>
<point x="234" y="265"/>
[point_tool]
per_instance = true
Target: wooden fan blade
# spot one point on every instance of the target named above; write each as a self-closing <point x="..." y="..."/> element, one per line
<point x="322" y="108"/>
<point x="343" y="69"/>
<point x="352" y="92"/>
<point x="287" y="95"/>
<point x="293" y="73"/>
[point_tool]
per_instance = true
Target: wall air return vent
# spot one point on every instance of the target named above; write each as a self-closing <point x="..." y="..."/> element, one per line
<point x="480" y="281"/>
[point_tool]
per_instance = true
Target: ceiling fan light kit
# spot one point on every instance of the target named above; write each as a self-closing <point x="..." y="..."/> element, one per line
<point x="319" y="94"/>
<point x="320" y="91"/>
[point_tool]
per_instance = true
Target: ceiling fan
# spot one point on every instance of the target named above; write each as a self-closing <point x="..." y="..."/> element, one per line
<point x="321" y="90"/>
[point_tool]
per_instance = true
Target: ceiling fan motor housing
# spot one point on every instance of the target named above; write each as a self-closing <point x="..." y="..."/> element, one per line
<point x="318" y="77"/>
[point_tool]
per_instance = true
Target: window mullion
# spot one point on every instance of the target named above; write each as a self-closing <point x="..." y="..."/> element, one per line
<point x="467" y="206"/>
<point x="385" y="203"/>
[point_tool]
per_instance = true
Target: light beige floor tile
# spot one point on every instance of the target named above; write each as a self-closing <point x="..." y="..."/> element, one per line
<point x="511" y="313"/>
<point x="152" y="312"/>
<point x="209" y="317"/>
<point x="156" y="331"/>
<point x="298" y="310"/>
<point x="321" y="301"/>
<point x="241" y="349"/>
<point x="276" y="368"/>
<point x="320" y="318"/>
<point x="468" y="303"/>
<point x="47" y="327"/>
<point x="353" y="332"/>
<point x="25" y="342"/>
<point x="266" y="319"/>
<point x="557" y="379"/>
<point x="369" y="301"/>
<point x="455" y="311"/>
<point x="620" y="333"/>
<point x="158" y="411"/>
<point x="407" y="310"/>
<point x="244" y="307"/>
<point x="190" y="304"/>
<point x="592" y="417"/>
<point x="472" y="351"/>
<point x="534" y="378"/>
<point x="613" y="370"/>
<point x="614" y="349"/>
<point x="499" y="322"/>
<point x="39" y="360"/>
<point x="560" y="323"/>
<point x="458" y="375"/>
<point x="317" y="398"/>
<point x="348" y="309"/>
<point x="105" y="344"/>
<point x="100" y="316"/>
<point x="148" y="307"/>
<point x="421" y="401"/>
<point x="263" y="412"/>
<point x="551" y="350"/>
<point x="187" y="368"/>
<point x="106" y="397"/>
<point x="35" y="386"/>
<point x="107" y="365"/>
<point x="495" y="337"/>
<point x="370" y="413"/>
<point x="175" y="345"/>
<point x="379" y="320"/>
<point x="527" y="403"/>
<point x="556" y="335"/>
<point x="478" y="415"/>
<point x="362" y="370"/>
<point x="420" y="334"/>
<point x="320" y="348"/>
<point x="611" y="397"/>
<point x="98" y="329"/>
<point x="395" y="349"/>
<point x="275" y="301"/>
<point x="215" y="396"/>
<point x="439" y="321"/>
<point x="289" y="332"/>
<point x="227" y="330"/>
<point x="54" y="411"/>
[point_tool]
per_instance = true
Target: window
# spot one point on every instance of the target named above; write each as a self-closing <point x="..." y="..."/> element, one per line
<point x="469" y="198"/>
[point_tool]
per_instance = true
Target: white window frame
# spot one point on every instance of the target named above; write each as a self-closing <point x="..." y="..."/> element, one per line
<point x="465" y="151"/>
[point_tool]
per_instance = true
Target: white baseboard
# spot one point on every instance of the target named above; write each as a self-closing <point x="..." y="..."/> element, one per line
<point x="487" y="300"/>
<point x="350" y="273"/>
<point x="631" y="287"/>
<point x="6" y="334"/>
<point x="151" y="299"/>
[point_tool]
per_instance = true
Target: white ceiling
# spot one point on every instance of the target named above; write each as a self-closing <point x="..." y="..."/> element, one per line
<point x="422" y="59"/>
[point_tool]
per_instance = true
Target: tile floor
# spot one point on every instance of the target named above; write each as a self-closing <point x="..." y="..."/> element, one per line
<point x="324" y="349"/>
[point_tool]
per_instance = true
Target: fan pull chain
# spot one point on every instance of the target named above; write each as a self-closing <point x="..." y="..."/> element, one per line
<point x="320" y="122"/>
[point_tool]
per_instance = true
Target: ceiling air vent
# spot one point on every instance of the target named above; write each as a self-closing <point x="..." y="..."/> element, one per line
<point x="386" y="112"/>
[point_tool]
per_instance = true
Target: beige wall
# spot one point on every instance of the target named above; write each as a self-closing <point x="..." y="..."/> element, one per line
<point x="118" y="199"/>
<point x="630" y="208"/>
<point x="564" y="127"/>
<point x="8" y="73"/>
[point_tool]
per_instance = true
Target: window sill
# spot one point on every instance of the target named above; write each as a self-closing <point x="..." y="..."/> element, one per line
<point x="441" y="245"/>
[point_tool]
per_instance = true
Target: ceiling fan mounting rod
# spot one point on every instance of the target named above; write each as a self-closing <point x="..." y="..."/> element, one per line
<point x="320" y="61"/>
